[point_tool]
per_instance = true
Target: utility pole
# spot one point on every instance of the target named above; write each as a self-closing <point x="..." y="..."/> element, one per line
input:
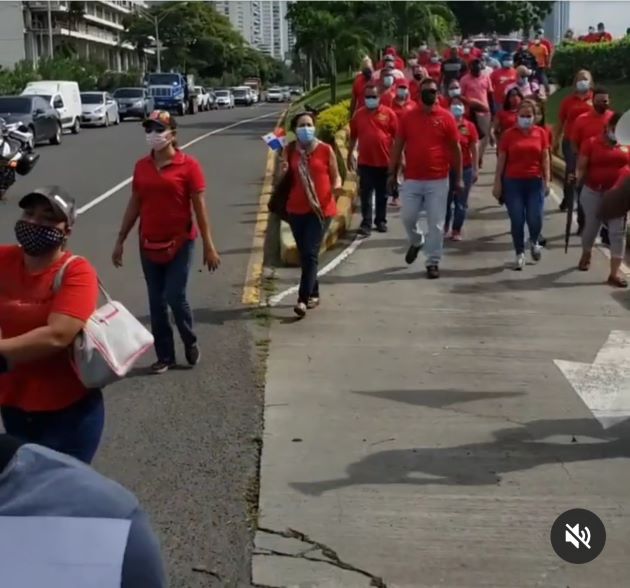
<point x="156" y="24"/>
<point x="50" y="30"/>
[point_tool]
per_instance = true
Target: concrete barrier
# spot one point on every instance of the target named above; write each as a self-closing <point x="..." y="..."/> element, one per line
<point x="340" y="223"/>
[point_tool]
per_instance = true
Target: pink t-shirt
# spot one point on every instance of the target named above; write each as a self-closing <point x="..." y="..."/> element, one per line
<point x="476" y="88"/>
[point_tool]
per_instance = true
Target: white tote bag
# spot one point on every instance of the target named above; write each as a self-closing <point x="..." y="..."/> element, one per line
<point x="111" y="342"/>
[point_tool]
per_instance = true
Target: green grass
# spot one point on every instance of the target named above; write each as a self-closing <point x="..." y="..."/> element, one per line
<point x="619" y="99"/>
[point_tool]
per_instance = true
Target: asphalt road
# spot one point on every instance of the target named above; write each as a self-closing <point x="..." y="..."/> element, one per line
<point x="185" y="442"/>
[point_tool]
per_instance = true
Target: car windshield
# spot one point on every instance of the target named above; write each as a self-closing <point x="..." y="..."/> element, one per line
<point x="240" y="92"/>
<point x="92" y="98"/>
<point x="15" y="105"/>
<point x="275" y="91"/>
<point x="163" y="79"/>
<point x="222" y="93"/>
<point x="128" y="93"/>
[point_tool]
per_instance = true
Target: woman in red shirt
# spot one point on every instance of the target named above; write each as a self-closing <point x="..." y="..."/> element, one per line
<point x="167" y="186"/>
<point x="600" y="163"/>
<point x="521" y="180"/>
<point x="575" y="104"/>
<point x="469" y="143"/>
<point x="506" y="117"/>
<point x="42" y="310"/>
<point x="311" y="205"/>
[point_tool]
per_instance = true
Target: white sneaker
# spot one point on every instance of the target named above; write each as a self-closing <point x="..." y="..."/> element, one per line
<point x="520" y="262"/>
<point x="536" y="251"/>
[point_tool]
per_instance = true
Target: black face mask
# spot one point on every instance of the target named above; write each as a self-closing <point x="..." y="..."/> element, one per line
<point x="37" y="240"/>
<point x="367" y="72"/>
<point x="475" y="70"/>
<point x="428" y="97"/>
<point x="417" y="76"/>
<point x="600" y="108"/>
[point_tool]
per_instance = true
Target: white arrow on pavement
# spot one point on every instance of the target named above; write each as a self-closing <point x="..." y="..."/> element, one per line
<point x="604" y="385"/>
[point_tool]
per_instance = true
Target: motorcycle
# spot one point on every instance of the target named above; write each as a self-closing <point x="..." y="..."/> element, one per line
<point x="17" y="153"/>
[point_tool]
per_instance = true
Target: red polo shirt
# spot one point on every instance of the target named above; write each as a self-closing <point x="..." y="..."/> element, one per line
<point x="524" y="152"/>
<point x="165" y="205"/>
<point x="573" y="106"/>
<point x="605" y="162"/>
<point x="388" y="97"/>
<point x="589" y="124"/>
<point x="501" y="79"/>
<point x="434" y="71"/>
<point x="468" y="136"/>
<point x="428" y="138"/>
<point x="358" y="90"/>
<point x="26" y="301"/>
<point x="376" y="130"/>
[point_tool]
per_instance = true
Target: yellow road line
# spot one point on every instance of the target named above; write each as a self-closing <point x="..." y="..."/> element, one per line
<point x="253" y="277"/>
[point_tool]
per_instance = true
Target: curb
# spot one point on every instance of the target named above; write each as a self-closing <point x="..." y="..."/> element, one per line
<point x="340" y="224"/>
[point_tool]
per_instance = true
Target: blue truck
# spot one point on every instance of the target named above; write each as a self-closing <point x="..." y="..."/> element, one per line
<point x="172" y="92"/>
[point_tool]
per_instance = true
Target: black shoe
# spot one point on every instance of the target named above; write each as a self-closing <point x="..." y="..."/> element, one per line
<point x="542" y="241"/>
<point x="412" y="253"/>
<point x="433" y="272"/>
<point x="381" y="227"/>
<point x="563" y="206"/>
<point x="193" y="355"/>
<point x="160" y="367"/>
<point x="364" y="231"/>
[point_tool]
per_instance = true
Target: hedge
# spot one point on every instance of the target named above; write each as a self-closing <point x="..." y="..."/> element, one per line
<point x="332" y="120"/>
<point x="606" y="61"/>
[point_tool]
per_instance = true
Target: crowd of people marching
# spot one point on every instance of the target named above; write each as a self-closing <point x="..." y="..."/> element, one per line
<point x="419" y="133"/>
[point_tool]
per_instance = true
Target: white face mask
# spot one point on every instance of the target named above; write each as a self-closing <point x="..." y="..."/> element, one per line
<point x="157" y="141"/>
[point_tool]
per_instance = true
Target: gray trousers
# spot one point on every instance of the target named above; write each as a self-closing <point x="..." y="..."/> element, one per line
<point x="591" y="202"/>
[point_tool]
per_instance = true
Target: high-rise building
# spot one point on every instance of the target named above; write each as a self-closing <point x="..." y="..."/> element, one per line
<point x="92" y="29"/>
<point x="262" y="23"/>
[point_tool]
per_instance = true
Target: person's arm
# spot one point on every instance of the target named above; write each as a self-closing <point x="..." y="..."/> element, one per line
<point x="558" y="129"/>
<point x="353" y="143"/>
<point x="546" y="168"/>
<point x="616" y="201"/>
<point x="581" y="169"/>
<point x="132" y="212"/>
<point x="474" y="152"/>
<point x="333" y="172"/>
<point x="395" y="158"/>
<point x="210" y="255"/>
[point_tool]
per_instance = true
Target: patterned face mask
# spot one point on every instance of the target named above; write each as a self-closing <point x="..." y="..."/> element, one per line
<point x="37" y="240"/>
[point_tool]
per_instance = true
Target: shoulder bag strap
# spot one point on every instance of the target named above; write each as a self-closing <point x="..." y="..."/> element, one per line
<point x="62" y="271"/>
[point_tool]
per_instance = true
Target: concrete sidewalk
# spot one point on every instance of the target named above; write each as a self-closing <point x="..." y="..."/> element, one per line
<point x="418" y="433"/>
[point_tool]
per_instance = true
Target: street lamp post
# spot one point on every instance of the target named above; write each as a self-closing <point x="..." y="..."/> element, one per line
<point x="50" y="30"/>
<point x="156" y="19"/>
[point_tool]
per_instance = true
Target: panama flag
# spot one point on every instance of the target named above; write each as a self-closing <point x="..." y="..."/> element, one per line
<point x="275" y="140"/>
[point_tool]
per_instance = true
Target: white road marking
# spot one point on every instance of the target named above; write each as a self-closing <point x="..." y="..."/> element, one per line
<point x="331" y="265"/>
<point x="121" y="185"/>
<point x="604" y="385"/>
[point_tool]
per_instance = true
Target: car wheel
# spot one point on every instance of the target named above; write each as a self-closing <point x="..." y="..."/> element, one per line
<point x="56" y="138"/>
<point x="76" y="127"/>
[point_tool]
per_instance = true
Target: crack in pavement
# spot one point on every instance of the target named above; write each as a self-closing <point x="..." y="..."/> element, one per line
<point x="330" y="556"/>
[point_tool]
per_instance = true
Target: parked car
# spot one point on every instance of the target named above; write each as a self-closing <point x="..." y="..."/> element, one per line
<point x="133" y="102"/>
<point x="275" y="95"/>
<point x="35" y="113"/>
<point x="243" y="95"/>
<point x="225" y="99"/>
<point x="99" y="108"/>
<point x="203" y="98"/>
<point x="286" y="94"/>
<point x="63" y="96"/>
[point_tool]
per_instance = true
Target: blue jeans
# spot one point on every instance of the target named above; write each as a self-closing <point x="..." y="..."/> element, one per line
<point x="308" y="232"/>
<point x="166" y="284"/>
<point x="524" y="199"/>
<point x="75" y="430"/>
<point x="431" y="196"/>
<point x="458" y="201"/>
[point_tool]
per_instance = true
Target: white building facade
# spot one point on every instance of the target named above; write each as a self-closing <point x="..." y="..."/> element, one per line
<point x="92" y="29"/>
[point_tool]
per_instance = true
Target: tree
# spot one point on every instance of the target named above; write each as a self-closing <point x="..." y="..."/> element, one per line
<point x="500" y="17"/>
<point x="420" y="21"/>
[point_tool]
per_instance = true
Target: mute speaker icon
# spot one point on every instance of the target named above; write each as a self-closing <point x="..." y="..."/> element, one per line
<point x="575" y="536"/>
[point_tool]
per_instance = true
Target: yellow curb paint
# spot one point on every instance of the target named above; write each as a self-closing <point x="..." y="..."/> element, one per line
<point x="253" y="277"/>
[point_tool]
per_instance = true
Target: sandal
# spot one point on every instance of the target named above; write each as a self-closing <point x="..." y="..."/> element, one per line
<point x="585" y="261"/>
<point x="617" y="281"/>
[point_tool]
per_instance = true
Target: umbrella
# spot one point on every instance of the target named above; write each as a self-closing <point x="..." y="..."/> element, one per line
<point x="569" y="222"/>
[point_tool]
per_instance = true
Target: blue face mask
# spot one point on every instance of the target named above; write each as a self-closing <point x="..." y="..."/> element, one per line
<point x="388" y="81"/>
<point x="457" y="110"/>
<point x="508" y="63"/>
<point x="453" y="92"/>
<point x="525" y="122"/>
<point x="583" y="86"/>
<point x="402" y="93"/>
<point x="305" y="135"/>
<point x="372" y="102"/>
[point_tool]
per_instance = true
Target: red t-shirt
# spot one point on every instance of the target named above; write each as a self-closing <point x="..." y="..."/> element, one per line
<point x="388" y="97"/>
<point x="428" y="139"/>
<point x="547" y="43"/>
<point x="573" y="106"/>
<point x="434" y="70"/>
<point x="501" y="79"/>
<point x="589" y="124"/>
<point x="319" y="167"/>
<point x="507" y="119"/>
<point x="604" y="163"/>
<point x="468" y="136"/>
<point x="165" y="196"/>
<point x="444" y="102"/>
<point x="401" y="109"/>
<point x="26" y="301"/>
<point x="524" y="152"/>
<point x="376" y="130"/>
<point x="358" y="90"/>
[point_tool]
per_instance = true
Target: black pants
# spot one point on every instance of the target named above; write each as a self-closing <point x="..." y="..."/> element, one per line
<point x="308" y="232"/>
<point x="373" y="180"/>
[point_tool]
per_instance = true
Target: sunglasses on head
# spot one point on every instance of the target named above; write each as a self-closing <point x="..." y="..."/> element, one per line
<point x="154" y="128"/>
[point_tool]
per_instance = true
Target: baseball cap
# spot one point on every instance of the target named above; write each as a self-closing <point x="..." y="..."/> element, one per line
<point x="60" y="201"/>
<point x="160" y="118"/>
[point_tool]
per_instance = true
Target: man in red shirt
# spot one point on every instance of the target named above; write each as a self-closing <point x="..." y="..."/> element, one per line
<point x="434" y="67"/>
<point x="386" y="86"/>
<point x="603" y="36"/>
<point x="374" y="127"/>
<point x="358" y="86"/>
<point x="429" y="137"/>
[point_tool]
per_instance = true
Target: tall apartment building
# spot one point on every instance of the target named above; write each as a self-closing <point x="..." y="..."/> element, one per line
<point x="92" y="28"/>
<point x="262" y="23"/>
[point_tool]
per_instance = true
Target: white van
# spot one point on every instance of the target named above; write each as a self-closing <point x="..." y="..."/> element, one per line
<point x="64" y="97"/>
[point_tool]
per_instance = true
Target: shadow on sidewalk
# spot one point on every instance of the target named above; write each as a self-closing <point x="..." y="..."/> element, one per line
<point x="396" y="273"/>
<point x="438" y="398"/>
<point x="514" y="449"/>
